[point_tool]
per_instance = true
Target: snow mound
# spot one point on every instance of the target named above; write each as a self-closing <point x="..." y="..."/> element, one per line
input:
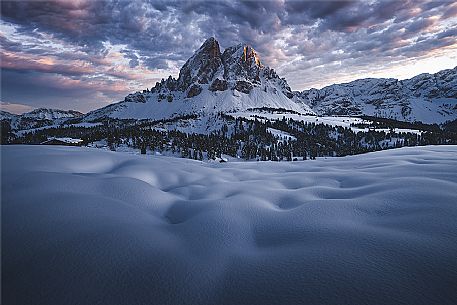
<point x="86" y="226"/>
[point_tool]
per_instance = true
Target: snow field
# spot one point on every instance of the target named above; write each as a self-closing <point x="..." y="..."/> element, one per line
<point x="88" y="226"/>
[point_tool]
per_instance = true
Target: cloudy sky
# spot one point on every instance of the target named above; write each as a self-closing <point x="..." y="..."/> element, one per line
<point x="85" y="54"/>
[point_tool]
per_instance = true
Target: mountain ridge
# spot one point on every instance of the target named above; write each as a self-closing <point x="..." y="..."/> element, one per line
<point x="430" y="98"/>
<point x="235" y="79"/>
<point x="38" y="117"/>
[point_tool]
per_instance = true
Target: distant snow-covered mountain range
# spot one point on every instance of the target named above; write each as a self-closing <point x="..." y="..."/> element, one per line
<point x="38" y="118"/>
<point x="429" y="98"/>
<point x="213" y="81"/>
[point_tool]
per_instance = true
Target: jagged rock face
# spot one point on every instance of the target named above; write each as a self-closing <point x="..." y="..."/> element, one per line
<point x="243" y="86"/>
<point x="219" y="85"/>
<point x="165" y="86"/>
<point x="241" y="62"/>
<point x="270" y="74"/>
<point x="202" y="66"/>
<point x="237" y="63"/>
<point x="237" y="68"/>
<point x="135" y="98"/>
<point x="194" y="90"/>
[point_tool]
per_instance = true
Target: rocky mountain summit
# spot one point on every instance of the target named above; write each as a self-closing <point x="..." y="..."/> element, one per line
<point x="210" y="81"/>
<point x="237" y="68"/>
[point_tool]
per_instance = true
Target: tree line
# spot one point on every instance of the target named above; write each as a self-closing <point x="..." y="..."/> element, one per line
<point x="246" y="138"/>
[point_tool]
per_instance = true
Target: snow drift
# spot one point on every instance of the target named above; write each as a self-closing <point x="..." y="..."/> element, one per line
<point x="85" y="226"/>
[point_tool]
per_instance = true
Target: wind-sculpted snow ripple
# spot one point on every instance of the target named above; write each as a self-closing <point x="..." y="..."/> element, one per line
<point x="85" y="226"/>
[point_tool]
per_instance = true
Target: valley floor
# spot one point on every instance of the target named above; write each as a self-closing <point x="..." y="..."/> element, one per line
<point x="88" y="226"/>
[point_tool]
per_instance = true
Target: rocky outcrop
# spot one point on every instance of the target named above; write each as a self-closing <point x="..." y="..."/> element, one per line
<point x="194" y="90"/>
<point x="243" y="86"/>
<point x="219" y="85"/>
<point x="136" y="98"/>
<point x="165" y="86"/>
<point x="241" y="62"/>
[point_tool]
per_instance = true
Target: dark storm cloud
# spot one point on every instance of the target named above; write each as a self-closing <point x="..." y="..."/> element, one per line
<point x="8" y="45"/>
<point x="155" y="62"/>
<point x="450" y="11"/>
<point x="306" y="12"/>
<point x="76" y="39"/>
<point x="156" y="28"/>
<point x="133" y="62"/>
<point x="11" y="63"/>
<point x="419" y="25"/>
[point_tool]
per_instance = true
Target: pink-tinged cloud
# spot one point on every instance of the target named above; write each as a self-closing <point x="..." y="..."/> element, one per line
<point x="15" y="108"/>
<point x="43" y="64"/>
<point x="61" y="82"/>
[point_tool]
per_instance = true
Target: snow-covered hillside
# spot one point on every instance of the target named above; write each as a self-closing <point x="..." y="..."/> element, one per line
<point x="86" y="226"/>
<point x="38" y="118"/>
<point x="430" y="98"/>
<point x="209" y="82"/>
<point x="51" y="114"/>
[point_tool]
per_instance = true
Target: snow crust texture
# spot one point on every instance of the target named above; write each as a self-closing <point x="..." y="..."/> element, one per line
<point x="86" y="226"/>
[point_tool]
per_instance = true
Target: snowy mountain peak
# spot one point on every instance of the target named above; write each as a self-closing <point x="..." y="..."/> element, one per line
<point x="234" y="79"/>
<point x="246" y="54"/>
<point x="211" y="46"/>
<point x="237" y="68"/>
<point x="210" y="82"/>
<point x="221" y="71"/>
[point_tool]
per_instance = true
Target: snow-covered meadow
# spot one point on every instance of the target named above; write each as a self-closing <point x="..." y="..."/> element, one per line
<point x="343" y="121"/>
<point x="88" y="226"/>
